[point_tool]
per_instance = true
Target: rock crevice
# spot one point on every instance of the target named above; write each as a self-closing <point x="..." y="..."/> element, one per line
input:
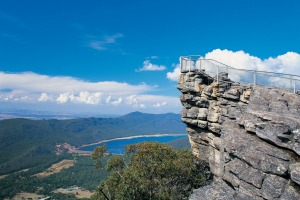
<point x="249" y="136"/>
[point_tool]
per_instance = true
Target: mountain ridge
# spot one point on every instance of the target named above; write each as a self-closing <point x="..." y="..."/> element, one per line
<point x="21" y="137"/>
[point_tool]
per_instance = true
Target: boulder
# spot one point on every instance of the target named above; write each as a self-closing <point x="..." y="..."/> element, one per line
<point x="273" y="187"/>
<point x="295" y="172"/>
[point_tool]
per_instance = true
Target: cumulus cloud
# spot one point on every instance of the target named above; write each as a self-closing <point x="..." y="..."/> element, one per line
<point x="83" y="97"/>
<point x="173" y="76"/>
<point x="148" y="66"/>
<point x="89" y="98"/>
<point x="287" y="63"/>
<point x="69" y="91"/>
<point x="14" y="98"/>
<point x="132" y="100"/>
<point x="103" y="43"/>
<point x="45" y="97"/>
<point x="158" y="104"/>
<point x="7" y="97"/>
<point x="44" y="88"/>
<point x="107" y="99"/>
<point x="117" y="102"/>
<point x="65" y="97"/>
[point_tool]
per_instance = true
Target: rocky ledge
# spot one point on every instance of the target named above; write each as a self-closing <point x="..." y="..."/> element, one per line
<point x="250" y="136"/>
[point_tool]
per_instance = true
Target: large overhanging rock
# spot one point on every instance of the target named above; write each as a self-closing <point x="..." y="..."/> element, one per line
<point x="273" y="115"/>
<point x="249" y="136"/>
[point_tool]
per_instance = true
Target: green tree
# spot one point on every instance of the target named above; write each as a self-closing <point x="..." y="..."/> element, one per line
<point x="155" y="171"/>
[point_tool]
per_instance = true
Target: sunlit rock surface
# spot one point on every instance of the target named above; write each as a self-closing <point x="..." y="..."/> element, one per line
<point x="250" y="136"/>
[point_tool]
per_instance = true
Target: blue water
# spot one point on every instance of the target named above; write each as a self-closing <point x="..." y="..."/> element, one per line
<point x="118" y="146"/>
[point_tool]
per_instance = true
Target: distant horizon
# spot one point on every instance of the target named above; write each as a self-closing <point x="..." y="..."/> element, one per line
<point x="31" y="114"/>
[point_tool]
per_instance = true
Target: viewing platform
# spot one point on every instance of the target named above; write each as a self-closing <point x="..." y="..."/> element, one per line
<point x="211" y="67"/>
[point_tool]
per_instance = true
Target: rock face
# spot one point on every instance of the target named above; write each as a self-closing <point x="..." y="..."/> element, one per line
<point x="250" y="136"/>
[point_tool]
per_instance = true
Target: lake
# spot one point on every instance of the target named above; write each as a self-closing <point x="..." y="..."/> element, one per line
<point x="118" y="146"/>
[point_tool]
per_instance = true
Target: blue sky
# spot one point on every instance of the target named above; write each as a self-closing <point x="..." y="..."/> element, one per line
<point x="115" y="56"/>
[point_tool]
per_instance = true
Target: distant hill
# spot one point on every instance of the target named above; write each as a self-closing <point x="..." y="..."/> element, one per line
<point x="25" y="142"/>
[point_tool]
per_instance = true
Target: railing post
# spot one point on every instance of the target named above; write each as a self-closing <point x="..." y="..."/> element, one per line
<point x="254" y="80"/>
<point x="291" y="82"/>
<point x="180" y="58"/>
<point x="200" y="64"/>
<point x="190" y="63"/>
<point x="294" y="86"/>
<point x="218" y="74"/>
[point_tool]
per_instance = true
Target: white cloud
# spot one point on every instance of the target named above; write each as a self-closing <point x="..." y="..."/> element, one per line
<point x="103" y="44"/>
<point x="152" y="99"/>
<point x="35" y="83"/>
<point x="65" y="97"/>
<point x="89" y="98"/>
<point x="287" y="63"/>
<point x="42" y="88"/>
<point x="24" y="98"/>
<point x="13" y="97"/>
<point x="45" y="97"/>
<point x="117" y="102"/>
<point x="147" y="66"/>
<point x="157" y="101"/>
<point x="173" y="76"/>
<point x="69" y="92"/>
<point x="98" y="45"/>
<point x="83" y="97"/>
<point x="7" y="97"/>
<point x="110" y="100"/>
<point x="158" y="104"/>
<point x="113" y="38"/>
<point x="132" y="100"/>
<point x="107" y="99"/>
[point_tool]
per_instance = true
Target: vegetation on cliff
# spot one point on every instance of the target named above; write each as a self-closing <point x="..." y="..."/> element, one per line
<point x="150" y="170"/>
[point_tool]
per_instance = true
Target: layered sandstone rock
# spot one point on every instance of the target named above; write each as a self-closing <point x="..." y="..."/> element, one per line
<point x="249" y="136"/>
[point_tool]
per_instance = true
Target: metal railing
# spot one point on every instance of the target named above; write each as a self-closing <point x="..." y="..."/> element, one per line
<point x="213" y="67"/>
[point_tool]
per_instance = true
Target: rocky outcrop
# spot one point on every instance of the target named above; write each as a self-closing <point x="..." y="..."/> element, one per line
<point x="250" y="136"/>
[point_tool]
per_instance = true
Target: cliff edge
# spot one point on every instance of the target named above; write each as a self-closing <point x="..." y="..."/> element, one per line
<point x="250" y="136"/>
